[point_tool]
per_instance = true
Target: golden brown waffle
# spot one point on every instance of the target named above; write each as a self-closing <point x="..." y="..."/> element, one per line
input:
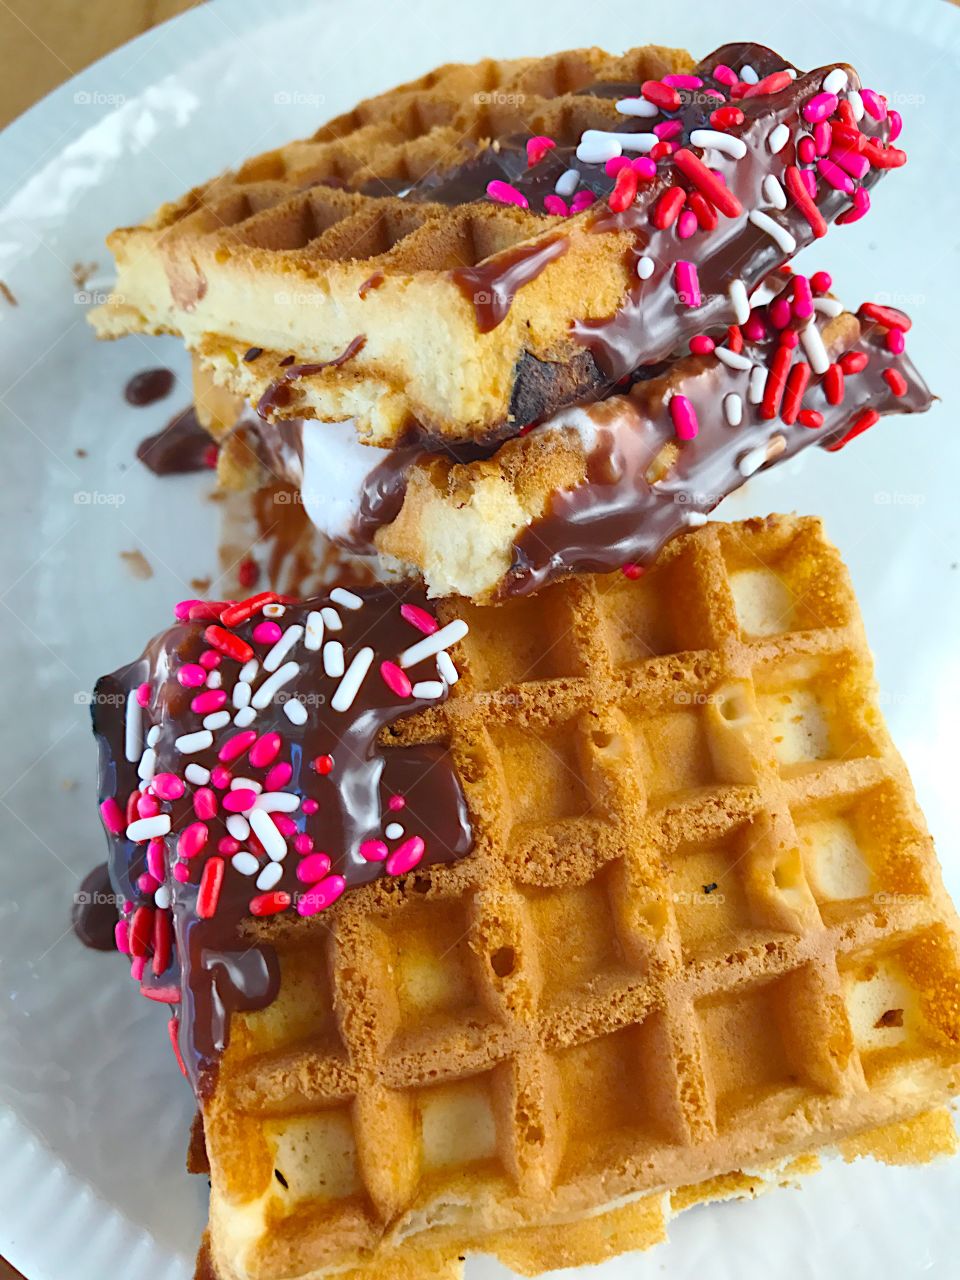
<point x="703" y="929"/>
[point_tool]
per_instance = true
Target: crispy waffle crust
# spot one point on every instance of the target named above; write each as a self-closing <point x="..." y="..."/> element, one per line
<point x="703" y="929"/>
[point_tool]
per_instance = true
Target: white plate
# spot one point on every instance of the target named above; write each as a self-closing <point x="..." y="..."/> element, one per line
<point x="93" y="1117"/>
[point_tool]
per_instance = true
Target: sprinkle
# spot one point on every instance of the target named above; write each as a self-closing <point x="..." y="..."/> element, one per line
<point x="803" y="201"/>
<point x="245" y="863"/>
<point x="241" y="694"/>
<point x="757" y="384"/>
<point x="748" y="75"/>
<point x="693" y="168"/>
<point x="793" y="395"/>
<point x="724" y="75"/>
<point x="333" y="658"/>
<point x="727" y="143"/>
<point x="280" y="650"/>
<point x="684" y="417"/>
<point x="234" y="614"/>
<point x="737" y="293"/>
<point x="133" y="727"/>
<point x="802" y="298"/>
<point x="278" y="777"/>
<point x="889" y="317"/>
<point x="442" y="639"/>
<point x="896" y="124"/>
<point x="214" y="680"/>
<point x="141" y="928"/>
<point x="504" y="193"/>
<point x="208" y="895"/>
<point x="221" y="777"/>
<point x="733" y="359"/>
<point x="895" y="341"/>
<point x="244" y="717"/>
<point x="205" y="804"/>
<point x="209" y="700"/>
<point x="429" y="689"/>
<point x="688" y="284"/>
<point x="248" y="672"/>
<point x="349" y="686"/>
<point x="121" y="936"/>
<point x="835" y="81"/>
<point x="406" y="857"/>
<point x="773" y="192"/>
<point x="702" y="345"/>
<point x="820" y="107"/>
<point x="663" y="96"/>
<point x="270" y="876"/>
<point x="373" y="851"/>
<point x="112" y="815"/>
<point x="269" y="904"/>
<point x="265" y="750"/>
<point x="236" y="745"/>
<point x="686" y="224"/>
<point x="143" y="694"/>
<point x="227" y="643"/>
<point x="852" y="162"/>
<point x="776" y="383"/>
<point x="238" y="826"/>
<point x="313" y="867"/>
<point x="155" y="859"/>
<point x="668" y="129"/>
<point x="537" y="148"/>
<point x="265" y="829"/>
<point x="181" y="872"/>
<point x="274" y="610"/>
<point x="396" y="680"/>
<point x="596" y="147"/>
<point x="322" y="765"/>
<point x="822" y="137"/>
<point x="153" y="735"/>
<point x="396" y="803"/>
<point x="446" y="668"/>
<point x="810" y="418"/>
<point x="812" y="343"/>
<point x="265" y="694"/>
<point x="667" y="209"/>
<point x="277" y="802"/>
<point x="240" y="800"/>
<point x="393" y="831"/>
<point x="189" y="744"/>
<point x="295" y="711"/>
<point x="162" y="899"/>
<point x="321" y="896"/>
<point x="645" y="267"/>
<point x="348" y="599"/>
<point x="554" y="205"/>
<point x="310" y="805"/>
<point x="895" y="381"/>
<point x="867" y="419"/>
<point x="565" y="186"/>
<point x="726" y="117"/>
<point x="313" y="631"/>
<point x="752" y="461"/>
<point x="148" y="762"/>
<point x="267" y="632"/>
<point x="835" y="176"/>
<point x="733" y="409"/>
<point x="238" y="784"/>
<point x="624" y="191"/>
<point x="147" y="828"/>
<point x="755" y="330"/>
<point x="778" y="138"/>
<point x="780" y="235"/>
<point x="147" y="806"/>
<point x="861" y="206"/>
<point x="192" y="840"/>
<point x="873" y="104"/>
<point x="645" y="168"/>
<point x="191" y="675"/>
<point x="638" y="107"/>
<point x="833" y="384"/>
<point x="331" y="619"/>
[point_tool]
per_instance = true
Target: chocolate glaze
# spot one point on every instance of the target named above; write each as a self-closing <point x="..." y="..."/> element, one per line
<point x="278" y="394"/>
<point x="221" y="964"/>
<point x="491" y="285"/>
<point x="148" y="386"/>
<point x="617" y="517"/>
<point x="94" y="914"/>
<point x="183" y="446"/>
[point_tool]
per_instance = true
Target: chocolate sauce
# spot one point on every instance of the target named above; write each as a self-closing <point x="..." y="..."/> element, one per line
<point x="492" y="285"/>
<point x="221" y="964"/>
<point x="373" y="282"/>
<point x="182" y="447"/>
<point x="94" y="914"/>
<point x="278" y="395"/>
<point x="623" y="513"/>
<point x="148" y="386"/>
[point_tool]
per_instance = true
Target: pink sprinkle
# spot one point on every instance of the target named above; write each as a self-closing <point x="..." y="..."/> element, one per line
<point x="874" y="104"/>
<point x="853" y="162"/>
<point x="191" y="675"/>
<point x="821" y="281"/>
<point x="267" y="632"/>
<point x="504" y="193"/>
<point x="181" y="872"/>
<point x="754" y="329"/>
<point x="304" y="844"/>
<point x="537" y="148"/>
<point x="615" y="164"/>
<point x="143" y="695"/>
<point x="557" y="206"/>
<point x="809" y="180"/>
<point x="147" y="883"/>
<point x="121" y="936"/>
<point x="313" y="868"/>
<point x="240" y="800"/>
<point x="687" y="284"/>
<point x="822" y="137"/>
<point x="684" y="419"/>
<point x="310" y="805"/>
<point x="265" y="750"/>
<point x="192" y="839"/>
<point x="113" y="816"/>
<point x="210" y="700"/>
<point x="807" y="149"/>
<point x="683" y="82"/>
<point x="396" y="803"/>
<point x="181" y="610"/>
<point x="278" y="777"/>
<point x="148" y="806"/>
<point x="686" y="224"/>
<point x="168" y="786"/>
<point x="373" y="851"/>
<point x="221" y="777"/>
<point x="210" y="659"/>
<point x="205" y="803"/>
<point x="645" y="168"/>
<point x="820" y="107"/>
<point x="321" y="895"/>
<point x="419" y="618"/>
<point x="156" y="857"/>
<point x="802" y="298"/>
<point x="284" y="824"/>
<point x="724" y="75"/>
<point x="582" y="200"/>
<point x="702" y="345"/>
<point x="833" y="174"/>
<point x="396" y="680"/>
<point x="861" y="206"/>
<point x="137" y="967"/>
<point x="228" y="846"/>
<point x="714" y="93"/>
<point x="896" y="124"/>
<point x="406" y="857"/>
<point x="235" y="746"/>
<point x="780" y="312"/>
<point x="668" y="129"/>
<point x="896" y="342"/>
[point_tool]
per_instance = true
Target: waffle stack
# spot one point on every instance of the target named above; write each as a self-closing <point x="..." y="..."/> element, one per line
<point x="702" y="931"/>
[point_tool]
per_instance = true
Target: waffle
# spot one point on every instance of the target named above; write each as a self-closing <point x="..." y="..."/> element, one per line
<point x="438" y="308"/>
<point x="702" y="929"/>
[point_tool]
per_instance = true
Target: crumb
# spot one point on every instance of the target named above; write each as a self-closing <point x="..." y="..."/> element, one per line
<point x="892" y="1018"/>
<point x="200" y="585"/>
<point x="7" y="293"/>
<point x="81" y="272"/>
<point x="709" y="888"/>
<point x="137" y="563"/>
<point x="68" y="784"/>
<point x="80" y="453"/>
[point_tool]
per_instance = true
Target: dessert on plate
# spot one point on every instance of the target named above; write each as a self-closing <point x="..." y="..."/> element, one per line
<point x="517" y="903"/>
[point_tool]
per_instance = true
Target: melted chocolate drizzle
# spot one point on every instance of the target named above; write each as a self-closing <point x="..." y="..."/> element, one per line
<point x="222" y="964"/>
<point x="94" y="914"/>
<point x="182" y="447"/>
<point x="148" y="386"/>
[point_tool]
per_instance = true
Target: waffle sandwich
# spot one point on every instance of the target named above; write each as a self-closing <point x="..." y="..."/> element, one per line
<point x="518" y="930"/>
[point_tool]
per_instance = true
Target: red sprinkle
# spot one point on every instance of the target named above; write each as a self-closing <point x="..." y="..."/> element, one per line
<point x="734" y="338"/>
<point x="889" y="317"/>
<point x="821" y="281"/>
<point x="632" y="571"/>
<point x="810" y="418"/>
<point x="726" y="117"/>
<point x="624" y="191"/>
<point x="801" y="198"/>
<point x="867" y="419"/>
<point x="793" y="394"/>
<point x="205" y="803"/>
<point x="210" y="660"/>
<point x="173" y="1028"/>
<point x="702" y="345"/>
<point x="227" y="643"/>
<point x="322" y="765"/>
<point x="419" y="618"/>
<point x="895" y="381"/>
<point x="161" y="942"/>
<point x="667" y="208"/>
<point x="776" y="382"/>
<point x="537" y="148"/>
<point x="133" y="806"/>
<point x="661" y="95"/>
<point x="248" y="571"/>
<point x="854" y="362"/>
<point x="772" y="83"/>
<point x="269" y="904"/>
<point x="660" y="150"/>
<point x="693" y="168"/>
<point x="208" y="895"/>
<point x="243" y="610"/>
<point x="141" y="931"/>
<point x="706" y="214"/>
<point x="192" y="839"/>
<point x="833" y="384"/>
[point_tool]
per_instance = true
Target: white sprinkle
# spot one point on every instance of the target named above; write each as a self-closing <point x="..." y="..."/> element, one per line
<point x="446" y="667"/>
<point x="295" y="711"/>
<point x="189" y="744"/>
<point x="274" y="610"/>
<point x="812" y="343"/>
<point x="393" y="831"/>
<point x="245" y="863"/>
<point x="428" y="689"/>
<point x="153" y="737"/>
<point x="748" y="75"/>
<point x="778" y="138"/>
<point x="214" y="680"/>
<point x="246" y="784"/>
<point x="269" y="876"/>
<point x="757" y="385"/>
<point x="238" y="826"/>
<point x="313" y="632"/>
<point x="694" y="518"/>
<point x="732" y="359"/>
<point x="277" y="802"/>
<point x="828" y="306"/>
<point x="856" y="102"/>
<point x="780" y="235"/>
<point x="430" y="645"/>
<point x="267" y="691"/>
<point x="638" y="107"/>
<point x="763" y="294"/>
<point x="133" y="728"/>
<point x="752" y="461"/>
<point x="197" y="774"/>
<point x="567" y="183"/>
<point x="645" y="267"/>
<point x="147" y="766"/>
<point x="216" y="720"/>
<point x="282" y="648"/>
<point x="733" y="409"/>
<point x="349" y="686"/>
<point x="244" y="717"/>
<point x="265" y="829"/>
<point x="331" y="619"/>
<point x="163" y="897"/>
<point x="726" y="143"/>
<point x="835" y="81"/>
<point x="791" y="72"/>
<point x="773" y="193"/>
<point x="349" y="600"/>
<point x="737" y="293"/>
<point x="149" y="828"/>
<point x="642" y="142"/>
<point x="248" y="672"/>
<point x="333" y="658"/>
<point x="596" y="147"/>
<point x="241" y="694"/>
